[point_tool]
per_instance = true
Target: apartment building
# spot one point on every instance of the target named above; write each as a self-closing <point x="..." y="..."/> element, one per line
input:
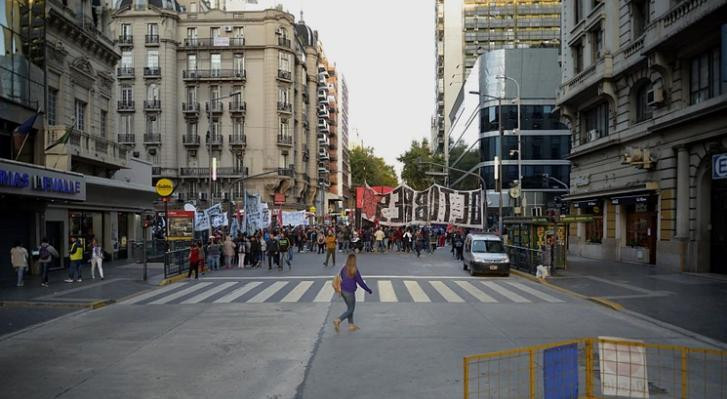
<point x="467" y="28"/>
<point x="211" y="96"/>
<point x="644" y="94"/>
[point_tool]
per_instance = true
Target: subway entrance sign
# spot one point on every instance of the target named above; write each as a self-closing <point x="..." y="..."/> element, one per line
<point x="719" y="166"/>
<point x="164" y="187"/>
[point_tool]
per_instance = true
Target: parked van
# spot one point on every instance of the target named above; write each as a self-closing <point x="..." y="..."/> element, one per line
<point x="484" y="253"/>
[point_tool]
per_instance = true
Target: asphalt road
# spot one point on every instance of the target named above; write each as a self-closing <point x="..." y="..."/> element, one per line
<point x="268" y="334"/>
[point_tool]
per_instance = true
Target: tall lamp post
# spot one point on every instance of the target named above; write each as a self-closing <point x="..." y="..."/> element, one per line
<point x="519" y="136"/>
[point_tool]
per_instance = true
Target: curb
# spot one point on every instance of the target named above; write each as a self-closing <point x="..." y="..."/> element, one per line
<point x="57" y="305"/>
<point x="172" y="280"/>
<point x="597" y="300"/>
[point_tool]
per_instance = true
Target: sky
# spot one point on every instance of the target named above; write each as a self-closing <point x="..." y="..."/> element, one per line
<point x="385" y="50"/>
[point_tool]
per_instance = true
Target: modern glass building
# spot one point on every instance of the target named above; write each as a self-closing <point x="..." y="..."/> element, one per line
<point x="545" y="141"/>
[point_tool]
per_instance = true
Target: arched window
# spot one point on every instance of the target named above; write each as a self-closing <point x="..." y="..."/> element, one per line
<point x="152" y="92"/>
<point x="642" y="109"/>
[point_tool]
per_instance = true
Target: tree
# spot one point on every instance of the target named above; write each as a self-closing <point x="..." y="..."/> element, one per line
<point x="367" y="167"/>
<point x="414" y="171"/>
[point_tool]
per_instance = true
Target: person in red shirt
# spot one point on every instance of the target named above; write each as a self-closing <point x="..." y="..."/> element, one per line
<point x="194" y="257"/>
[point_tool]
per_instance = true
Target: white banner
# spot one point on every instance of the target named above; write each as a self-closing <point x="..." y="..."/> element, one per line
<point x="623" y="369"/>
<point x="217" y="217"/>
<point x="201" y="221"/>
<point x="266" y="215"/>
<point x="257" y="214"/>
<point x="296" y="218"/>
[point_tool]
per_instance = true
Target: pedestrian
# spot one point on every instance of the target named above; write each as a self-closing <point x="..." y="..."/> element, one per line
<point x="46" y="252"/>
<point x="459" y="246"/>
<point x="19" y="260"/>
<point x="241" y="252"/>
<point x="194" y="259"/>
<point x="286" y="250"/>
<point x="321" y="242"/>
<point x="419" y="242"/>
<point x="96" y="259"/>
<point x="273" y="252"/>
<point x="75" y="255"/>
<point x="228" y="249"/>
<point x="407" y="239"/>
<point x="330" y="244"/>
<point x="379" y="235"/>
<point x="350" y="279"/>
<point x="213" y="255"/>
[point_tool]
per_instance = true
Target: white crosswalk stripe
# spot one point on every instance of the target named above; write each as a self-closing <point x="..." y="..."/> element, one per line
<point x="386" y="291"/>
<point x="201" y="297"/>
<point x="326" y="292"/>
<point x="296" y="293"/>
<point x="360" y="295"/>
<point x="179" y="294"/>
<point x="238" y="292"/>
<point x="151" y="294"/>
<point x="265" y="294"/>
<point x="505" y="292"/>
<point x="534" y="292"/>
<point x="446" y="292"/>
<point x="475" y="292"/>
<point x="416" y="291"/>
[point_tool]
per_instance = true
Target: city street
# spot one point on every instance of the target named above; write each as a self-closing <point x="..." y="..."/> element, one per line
<point x="268" y="334"/>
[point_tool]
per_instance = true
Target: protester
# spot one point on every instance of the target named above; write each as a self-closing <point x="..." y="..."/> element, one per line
<point x="213" y="255"/>
<point x="96" y="259"/>
<point x="19" y="260"/>
<point x="194" y="259"/>
<point x="379" y="235"/>
<point x="228" y="249"/>
<point x="330" y="243"/>
<point x="46" y="252"/>
<point x="286" y="250"/>
<point x="350" y="278"/>
<point x="273" y="253"/>
<point x="242" y="250"/>
<point x="321" y="242"/>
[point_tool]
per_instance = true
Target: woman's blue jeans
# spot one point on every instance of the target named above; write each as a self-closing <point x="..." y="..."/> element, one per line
<point x="350" y="299"/>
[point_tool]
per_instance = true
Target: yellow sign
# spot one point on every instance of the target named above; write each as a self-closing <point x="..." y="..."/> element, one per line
<point x="164" y="187"/>
<point x="312" y="209"/>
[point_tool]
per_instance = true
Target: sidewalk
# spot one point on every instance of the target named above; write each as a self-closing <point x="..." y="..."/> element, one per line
<point x="688" y="300"/>
<point x="21" y="307"/>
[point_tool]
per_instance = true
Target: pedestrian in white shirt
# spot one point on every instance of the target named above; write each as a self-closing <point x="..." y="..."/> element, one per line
<point x="19" y="260"/>
<point x="96" y="259"/>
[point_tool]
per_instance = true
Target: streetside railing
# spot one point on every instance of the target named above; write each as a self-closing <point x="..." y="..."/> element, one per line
<point x="525" y="259"/>
<point x="601" y="367"/>
<point x="176" y="262"/>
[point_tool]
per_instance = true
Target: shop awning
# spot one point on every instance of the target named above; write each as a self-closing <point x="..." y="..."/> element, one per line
<point x="639" y="189"/>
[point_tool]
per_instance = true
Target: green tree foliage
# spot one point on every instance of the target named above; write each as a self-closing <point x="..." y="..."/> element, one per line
<point x="468" y="161"/>
<point x="414" y="173"/>
<point x="367" y="167"/>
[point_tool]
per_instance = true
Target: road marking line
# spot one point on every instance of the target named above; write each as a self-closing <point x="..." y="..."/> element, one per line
<point x="386" y="292"/>
<point x="505" y="292"/>
<point x="151" y="294"/>
<point x="326" y="293"/>
<point x="329" y="277"/>
<point x="416" y="291"/>
<point x="534" y="292"/>
<point x="179" y="294"/>
<point x="238" y="292"/>
<point x="265" y="294"/>
<point x="201" y="297"/>
<point x="296" y="293"/>
<point x="446" y="292"/>
<point x="475" y="292"/>
<point x="360" y="294"/>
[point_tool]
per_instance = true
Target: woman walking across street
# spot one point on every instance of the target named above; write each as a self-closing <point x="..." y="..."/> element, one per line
<point x="96" y="259"/>
<point x="350" y="278"/>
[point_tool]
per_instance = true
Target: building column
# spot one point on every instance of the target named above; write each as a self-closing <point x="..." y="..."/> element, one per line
<point x="682" y="193"/>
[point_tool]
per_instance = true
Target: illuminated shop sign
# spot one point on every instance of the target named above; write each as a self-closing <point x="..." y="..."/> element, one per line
<point x="16" y="178"/>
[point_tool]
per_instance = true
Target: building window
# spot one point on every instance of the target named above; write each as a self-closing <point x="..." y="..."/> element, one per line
<point x="284" y="96"/>
<point x="596" y="43"/>
<point x="214" y="93"/>
<point x="577" y="53"/>
<point x="152" y="124"/>
<point x="152" y="30"/>
<point x="642" y="108"/>
<point x="80" y="114"/>
<point x="127" y="94"/>
<point x="152" y="92"/>
<point x="192" y="129"/>
<point x="191" y="34"/>
<point x="704" y="79"/>
<point x="237" y="32"/>
<point x="152" y="59"/>
<point x="215" y="126"/>
<point x="191" y="94"/>
<point x="192" y="62"/>
<point x="284" y="62"/>
<point x="215" y="63"/>
<point x="126" y="31"/>
<point x="193" y="7"/>
<point x="237" y="126"/>
<point x="126" y="123"/>
<point x="640" y="14"/>
<point x="52" y="106"/>
<point x="284" y="125"/>
<point x="127" y="59"/>
<point x="283" y="161"/>
<point x="237" y="98"/>
<point x="594" y="123"/>
<point x="238" y="63"/>
<point x="214" y="32"/>
<point x="577" y="11"/>
<point x="103" y="121"/>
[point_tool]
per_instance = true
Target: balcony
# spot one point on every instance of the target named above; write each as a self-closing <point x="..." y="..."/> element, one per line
<point x="284" y="42"/>
<point x="323" y="96"/>
<point x="217" y="42"/>
<point x="285" y="107"/>
<point x="152" y="105"/>
<point x="215" y="107"/>
<point x="213" y="74"/>
<point x="205" y="173"/>
<point x="214" y="140"/>
<point x="151" y="40"/>
<point x="191" y="140"/>
<point x="152" y="138"/>
<point x="125" y="106"/>
<point x="323" y="155"/>
<point x="285" y="140"/>
<point x="126" y="41"/>
<point x="125" y="72"/>
<point x="323" y="111"/>
<point x="92" y="149"/>
<point x="190" y="108"/>
<point x="686" y="21"/>
<point x="285" y="75"/>
<point x="237" y="141"/>
<point x="152" y="72"/>
<point x="323" y="126"/>
<point x="237" y="107"/>
<point x="126" y="139"/>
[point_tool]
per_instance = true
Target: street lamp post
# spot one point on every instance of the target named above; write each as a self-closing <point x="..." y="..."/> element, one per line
<point x="519" y="136"/>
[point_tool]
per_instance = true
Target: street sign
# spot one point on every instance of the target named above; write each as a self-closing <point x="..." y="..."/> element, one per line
<point x="164" y="187"/>
<point x="719" y="166"/>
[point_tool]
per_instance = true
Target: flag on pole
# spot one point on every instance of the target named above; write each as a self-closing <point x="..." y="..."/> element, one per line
<point x="63" y="139"/>
<point x="21" y="133"/>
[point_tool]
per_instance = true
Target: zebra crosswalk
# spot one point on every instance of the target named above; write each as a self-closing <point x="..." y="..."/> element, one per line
<point x="320" y="290"/>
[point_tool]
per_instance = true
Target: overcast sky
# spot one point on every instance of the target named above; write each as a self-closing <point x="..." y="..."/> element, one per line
<point x="385" y="49"/>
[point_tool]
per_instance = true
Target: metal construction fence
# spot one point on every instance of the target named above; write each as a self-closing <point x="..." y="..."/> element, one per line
<point x="601" y="367"/>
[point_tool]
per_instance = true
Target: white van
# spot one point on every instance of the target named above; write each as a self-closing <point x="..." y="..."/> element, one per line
<point x="484" y="253"/>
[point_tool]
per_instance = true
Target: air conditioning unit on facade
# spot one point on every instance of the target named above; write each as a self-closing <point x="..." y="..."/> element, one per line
<point x="655" y="96"/>
<point x="593" y="134"/>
